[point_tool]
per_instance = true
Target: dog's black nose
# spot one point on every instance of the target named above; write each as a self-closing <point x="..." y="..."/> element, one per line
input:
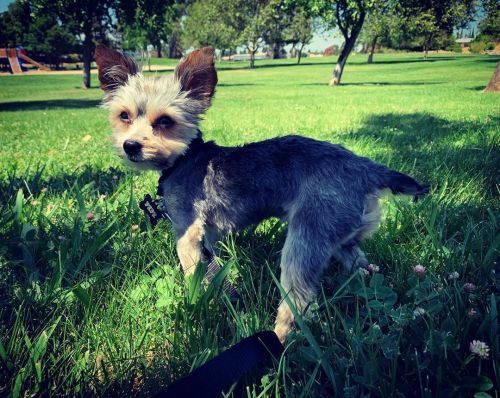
<point x="132" y="147"/>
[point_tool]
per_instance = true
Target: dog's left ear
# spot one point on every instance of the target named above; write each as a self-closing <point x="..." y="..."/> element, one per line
<point x="197" y="75"/>
<point x="114" y="67"/>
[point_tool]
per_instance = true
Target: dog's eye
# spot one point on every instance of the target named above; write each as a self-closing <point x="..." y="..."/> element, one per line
<point x="124" y="117"/>
<point x="163" y="122"/>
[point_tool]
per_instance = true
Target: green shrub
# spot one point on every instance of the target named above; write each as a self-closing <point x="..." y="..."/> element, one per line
<point x="457" y="48"/>
<point x="490" y="46"/>
<point x="477" y="47"/>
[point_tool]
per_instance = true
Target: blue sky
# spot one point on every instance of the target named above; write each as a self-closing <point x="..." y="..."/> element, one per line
<point x="4" y="4"/>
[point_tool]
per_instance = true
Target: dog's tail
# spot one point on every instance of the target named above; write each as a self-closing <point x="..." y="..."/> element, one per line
<point x="400" y="183"/>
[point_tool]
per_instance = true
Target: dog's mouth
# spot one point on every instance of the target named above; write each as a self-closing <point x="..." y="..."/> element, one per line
<point x="135" y="158"/>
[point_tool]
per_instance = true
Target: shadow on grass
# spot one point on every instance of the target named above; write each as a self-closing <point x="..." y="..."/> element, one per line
<point x="413" y="60"/>
<point x="36" y="182"/>
<point x="49" y="104"/>
<point x="376" y="84"/>
<point x="257" y="66"/>
<point x="433" y="144"/>
<point x="490" y="59"/>
<point x="477" y="88"/>
<point x="237" y="84"/>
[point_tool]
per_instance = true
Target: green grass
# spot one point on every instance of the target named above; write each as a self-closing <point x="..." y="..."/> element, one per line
<point x="95" y="307"/>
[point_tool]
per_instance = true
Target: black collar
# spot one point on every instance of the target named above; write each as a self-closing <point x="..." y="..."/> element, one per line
<point x="193" y="148"/>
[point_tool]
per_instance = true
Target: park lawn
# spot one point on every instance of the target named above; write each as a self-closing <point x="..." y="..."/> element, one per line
<point x="100" y="306"/>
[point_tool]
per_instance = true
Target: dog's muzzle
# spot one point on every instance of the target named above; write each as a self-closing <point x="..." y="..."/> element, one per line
<point x="132" y="148"/>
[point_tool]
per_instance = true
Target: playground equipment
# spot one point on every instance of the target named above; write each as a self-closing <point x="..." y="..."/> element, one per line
<point x="16" y="57"/>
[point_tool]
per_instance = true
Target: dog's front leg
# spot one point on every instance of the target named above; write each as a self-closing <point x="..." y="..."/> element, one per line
<point x="189" y="246"/>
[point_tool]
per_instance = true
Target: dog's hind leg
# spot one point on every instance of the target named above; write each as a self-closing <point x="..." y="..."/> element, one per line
<point x="351" y="256"/>
<point x="349" y="253"/>
<point x="303" y="259"/>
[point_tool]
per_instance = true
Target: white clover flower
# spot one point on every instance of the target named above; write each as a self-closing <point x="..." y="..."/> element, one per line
<point x="480" y="349"/>
<point x="419" y="311"/>
<point x="363" y="272"/>
<point x="373" y="268"/>
<point x="453" y="276"/>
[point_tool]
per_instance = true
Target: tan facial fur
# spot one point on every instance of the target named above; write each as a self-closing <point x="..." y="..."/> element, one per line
<point x="179" y="99"/>
<point x="146" y="100"/>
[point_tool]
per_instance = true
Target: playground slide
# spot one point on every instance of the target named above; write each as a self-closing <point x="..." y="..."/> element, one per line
<point x="33" y="62"/>
<point x="14" y="64"/>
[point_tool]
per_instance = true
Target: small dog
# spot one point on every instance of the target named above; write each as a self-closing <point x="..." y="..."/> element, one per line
<point x="328" y="195"/>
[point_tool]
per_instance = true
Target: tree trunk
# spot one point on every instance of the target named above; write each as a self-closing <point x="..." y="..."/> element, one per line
<point x="350" y="41"/>
<point x="173" y="47"/>
<point x="87" y="55"/>
<point x="252" y="59"/>
<point x="339" y="67"/>
<point x="427" y="44"/>
<point x="299" y="54"/>
<point x="276" y="51"/>
<point x="494" y="84"/>
<point x="372" y="50"/>
<point x="158" y="49"/>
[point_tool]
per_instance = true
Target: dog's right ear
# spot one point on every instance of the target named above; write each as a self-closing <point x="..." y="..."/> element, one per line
<point x="114" y="67"/>
<point x="197" y="75"/>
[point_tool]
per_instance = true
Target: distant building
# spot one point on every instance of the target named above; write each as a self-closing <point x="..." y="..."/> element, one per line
<point x="246" y="57"/>
<point x="465" y="43"/>
<point x="332" y="50"/>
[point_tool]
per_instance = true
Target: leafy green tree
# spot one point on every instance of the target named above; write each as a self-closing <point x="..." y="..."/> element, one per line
<point x="299" y="33"/>
<point x="253" y="26"/>
<point x="378" y="27"/>
<point x="212" y="23"/>
<point x="430" y="23"/>
<point x="146" y="22"/>
<point x="489" y="27"/>
<point x="42" y="35"/>
<point x="89" y="19"/>
<point x="49" y="39"/>
<point x="277" y="18"/>
<point x="346" y="15"/>
<point x="14" y="24"/>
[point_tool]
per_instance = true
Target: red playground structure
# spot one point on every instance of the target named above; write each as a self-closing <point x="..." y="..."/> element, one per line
<point x="16" y="57"/>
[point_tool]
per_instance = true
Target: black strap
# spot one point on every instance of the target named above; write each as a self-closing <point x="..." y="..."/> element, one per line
<point x="218" y="374"/>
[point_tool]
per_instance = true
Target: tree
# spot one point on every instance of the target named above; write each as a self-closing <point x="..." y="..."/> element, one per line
<point x="90" y="19"/>
<point x="212" y="23"/>
<point x="299" y="33"/>
<point x="149" y="20"/>
<point x="43" y="36"/>
<point x="379" y="25"/>
<point x="346" y="15"/>
<point x="489" y="27"/>
<point x="494" y="84"/>
<point x="253" y="26"/>
<point x="429" y="23"/>
<point x="277" y="17"/>
<point x="14" y="24"/>
<point x="49" y="40"/>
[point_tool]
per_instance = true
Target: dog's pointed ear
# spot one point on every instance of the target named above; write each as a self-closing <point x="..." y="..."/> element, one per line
<point x="114" y="67"/>
<point x="197" y="75"/>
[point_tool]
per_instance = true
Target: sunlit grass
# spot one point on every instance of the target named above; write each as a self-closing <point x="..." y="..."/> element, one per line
<point x="100" y="307"/>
